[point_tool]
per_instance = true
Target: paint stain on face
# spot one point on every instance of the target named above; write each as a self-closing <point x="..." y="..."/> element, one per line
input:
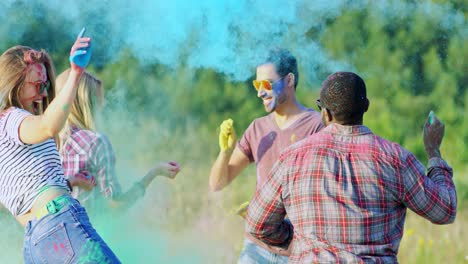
<point x="41" y="71"/>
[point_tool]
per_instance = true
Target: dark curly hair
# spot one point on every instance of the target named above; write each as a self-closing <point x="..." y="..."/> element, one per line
<point x="344" y="94"/>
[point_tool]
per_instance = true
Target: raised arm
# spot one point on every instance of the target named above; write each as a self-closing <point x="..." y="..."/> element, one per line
<point x="432" y="196"/>
<point x="35" y="129"/>
<point x="230" y="161"/>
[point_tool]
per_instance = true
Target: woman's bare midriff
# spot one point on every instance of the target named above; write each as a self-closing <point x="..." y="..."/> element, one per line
<point x="45" y="197"/>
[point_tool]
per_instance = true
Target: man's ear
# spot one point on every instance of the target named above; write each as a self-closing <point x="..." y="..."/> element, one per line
<point x="327" y="117"/>
<point x="291" y="79"/>
<point x="366" y="106"/>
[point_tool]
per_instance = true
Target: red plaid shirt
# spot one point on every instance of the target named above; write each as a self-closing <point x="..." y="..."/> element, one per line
<point x="345" y="191"/>
<point x="87" y="150"/>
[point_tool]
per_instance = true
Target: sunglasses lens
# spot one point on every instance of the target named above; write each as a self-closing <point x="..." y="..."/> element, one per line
<point x="263" y="83"/>
<point x="44" y="87"/>
<point x="256" y="84"/>
<point x="266" y="84"/>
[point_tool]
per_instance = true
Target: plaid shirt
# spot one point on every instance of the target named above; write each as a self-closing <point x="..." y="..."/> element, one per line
<point x="87" y="150"/>
<point x="345" y="191"/>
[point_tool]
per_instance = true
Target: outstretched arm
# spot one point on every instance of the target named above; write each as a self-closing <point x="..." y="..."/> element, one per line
<point x="127" y="199"/>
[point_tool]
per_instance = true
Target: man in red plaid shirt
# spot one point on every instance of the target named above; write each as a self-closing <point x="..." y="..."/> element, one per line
<point x="346" y="190"/>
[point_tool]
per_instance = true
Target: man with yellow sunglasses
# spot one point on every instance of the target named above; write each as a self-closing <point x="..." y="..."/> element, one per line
<point x="287" y="122"/>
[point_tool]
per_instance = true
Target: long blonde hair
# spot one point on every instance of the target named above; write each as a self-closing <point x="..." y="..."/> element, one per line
<point x="88" y="97"/>
<point x="13" y="69"/>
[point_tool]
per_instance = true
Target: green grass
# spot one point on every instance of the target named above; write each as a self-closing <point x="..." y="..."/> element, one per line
<point x="424" y="242"/>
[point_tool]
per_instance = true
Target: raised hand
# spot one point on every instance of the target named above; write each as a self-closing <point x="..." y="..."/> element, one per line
<point x="227" y="135"/>
<point x="80" y="53"/>
<point x="433" y="133"/>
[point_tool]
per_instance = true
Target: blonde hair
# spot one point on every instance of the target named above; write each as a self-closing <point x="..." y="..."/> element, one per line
<point x="89" y="95"/>
<point x="13" y="69"/>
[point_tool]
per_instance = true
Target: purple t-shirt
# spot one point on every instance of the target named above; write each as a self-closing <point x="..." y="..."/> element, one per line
<point x="263" y="140"/>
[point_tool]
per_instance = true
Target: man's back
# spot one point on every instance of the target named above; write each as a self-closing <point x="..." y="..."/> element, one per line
<point x="346" y="190"/>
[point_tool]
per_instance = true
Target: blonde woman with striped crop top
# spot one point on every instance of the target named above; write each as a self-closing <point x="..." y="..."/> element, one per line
<point x="32" y="185"/>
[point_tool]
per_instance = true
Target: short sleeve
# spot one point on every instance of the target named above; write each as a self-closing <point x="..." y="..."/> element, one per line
<point x="11" y="123"/>
<point x="244" y="143"/>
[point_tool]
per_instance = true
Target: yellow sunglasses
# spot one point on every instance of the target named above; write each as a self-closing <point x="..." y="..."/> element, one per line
<point x="266" y="84"/>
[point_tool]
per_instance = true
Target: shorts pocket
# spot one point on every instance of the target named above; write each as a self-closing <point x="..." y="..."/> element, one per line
<point x="54" y="246"/>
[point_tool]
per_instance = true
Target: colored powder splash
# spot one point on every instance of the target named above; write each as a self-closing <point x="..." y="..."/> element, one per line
<point x="95" y="254"/>
<point x="177" y="221"/>
<point x="228" y="36"/>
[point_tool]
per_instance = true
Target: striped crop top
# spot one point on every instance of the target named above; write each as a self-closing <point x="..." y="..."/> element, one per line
<point x="25" y="169"/>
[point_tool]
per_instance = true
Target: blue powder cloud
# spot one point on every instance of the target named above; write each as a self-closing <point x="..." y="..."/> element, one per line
<point x="228" y="36"/>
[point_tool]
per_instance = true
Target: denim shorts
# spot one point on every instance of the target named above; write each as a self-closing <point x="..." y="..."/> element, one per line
<point x="66" y="236"/>
<point x="255" y="254"/>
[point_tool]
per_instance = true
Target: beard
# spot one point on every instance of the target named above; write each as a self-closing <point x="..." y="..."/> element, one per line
<point x="276" y="102"/>
<point x="271" y="106"/>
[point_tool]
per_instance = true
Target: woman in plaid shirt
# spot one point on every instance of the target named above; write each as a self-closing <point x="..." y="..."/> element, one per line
<point x="83" y="151"/>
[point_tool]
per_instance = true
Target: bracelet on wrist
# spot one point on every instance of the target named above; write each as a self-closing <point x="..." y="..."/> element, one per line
<point x="69" y="185"/>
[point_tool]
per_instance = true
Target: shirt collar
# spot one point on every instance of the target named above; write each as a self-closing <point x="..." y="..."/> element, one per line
<point x="347" y="130"/>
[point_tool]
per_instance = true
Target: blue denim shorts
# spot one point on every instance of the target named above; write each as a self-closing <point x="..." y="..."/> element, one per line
<point x="255" y="254"/>
<point x="65" y="236"/>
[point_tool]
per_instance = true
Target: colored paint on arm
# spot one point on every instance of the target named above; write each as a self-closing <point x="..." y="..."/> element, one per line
<point x="65" y="107"/>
